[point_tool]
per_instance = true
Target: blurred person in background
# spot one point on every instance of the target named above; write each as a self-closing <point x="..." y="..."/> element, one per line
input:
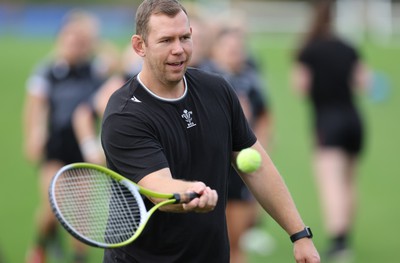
<point x="68" y="77"/>
<point x="203" y="33"/>
<point x="327" y="71"/>
<point x="88" y="114"/>
<point x="229" y="58"/>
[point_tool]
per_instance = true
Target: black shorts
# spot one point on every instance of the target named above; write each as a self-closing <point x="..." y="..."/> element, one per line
<point x="237" y="189"/>
<point x="340" y="129"/>
<point x="63" y="146"/>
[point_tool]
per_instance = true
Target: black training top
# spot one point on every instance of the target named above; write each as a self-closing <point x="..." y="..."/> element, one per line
<point x="194" y="136"/>
<point x="332" y="64"/>
<point x="64" y="87"/>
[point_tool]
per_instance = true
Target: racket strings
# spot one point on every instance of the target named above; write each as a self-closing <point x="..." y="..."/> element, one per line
<point x="96" y="206"/>
<point x="124" y="212"/>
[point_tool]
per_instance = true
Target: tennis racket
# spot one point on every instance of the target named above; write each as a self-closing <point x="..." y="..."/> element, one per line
<point x="102" y="208"/>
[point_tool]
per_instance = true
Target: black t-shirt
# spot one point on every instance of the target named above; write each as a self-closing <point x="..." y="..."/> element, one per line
<point x="332" y="62"/>
<point x="194" y="136"/>
<point x="64" y="87"/>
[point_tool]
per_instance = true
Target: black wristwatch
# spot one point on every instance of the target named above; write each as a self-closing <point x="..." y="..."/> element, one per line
<point x="306" y="232"/>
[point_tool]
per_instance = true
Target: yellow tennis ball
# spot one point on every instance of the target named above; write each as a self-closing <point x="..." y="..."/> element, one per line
<point x="248" y="160"/>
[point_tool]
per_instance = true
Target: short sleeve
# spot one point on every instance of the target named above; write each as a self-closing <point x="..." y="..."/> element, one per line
<point x="38" y="83"/>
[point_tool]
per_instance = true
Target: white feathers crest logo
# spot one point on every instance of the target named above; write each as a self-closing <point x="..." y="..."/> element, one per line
<point x="187" y="115"/>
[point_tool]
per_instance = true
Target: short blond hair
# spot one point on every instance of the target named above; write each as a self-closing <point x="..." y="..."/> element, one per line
<point x="153" y="7"/>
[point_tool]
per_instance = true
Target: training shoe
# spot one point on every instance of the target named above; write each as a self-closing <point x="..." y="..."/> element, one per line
<point x="258" y="241"/>
<point x="339" y="255"/>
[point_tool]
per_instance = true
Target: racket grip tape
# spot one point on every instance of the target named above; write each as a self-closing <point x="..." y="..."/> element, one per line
<point x="186" y="197"/>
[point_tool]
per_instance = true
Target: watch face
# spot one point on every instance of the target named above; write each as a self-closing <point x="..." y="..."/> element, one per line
<point x="310" y="234"/>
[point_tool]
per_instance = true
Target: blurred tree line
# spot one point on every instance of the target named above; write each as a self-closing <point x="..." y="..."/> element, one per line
<point x="73" y="2"/>
<point x="122" y="2"/>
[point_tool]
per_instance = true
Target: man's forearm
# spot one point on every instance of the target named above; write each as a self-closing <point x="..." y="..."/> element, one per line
<point x="162" y="181"/>
<point x="270" y="190"/>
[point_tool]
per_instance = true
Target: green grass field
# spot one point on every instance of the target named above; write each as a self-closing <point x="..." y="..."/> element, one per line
<point x="376" y="231"/>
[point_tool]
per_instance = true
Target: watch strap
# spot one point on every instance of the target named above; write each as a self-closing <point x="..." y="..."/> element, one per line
<point x="306" y="232"/>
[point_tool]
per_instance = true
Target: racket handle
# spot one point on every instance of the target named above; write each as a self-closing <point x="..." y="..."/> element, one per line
<point x="186" y="197"/>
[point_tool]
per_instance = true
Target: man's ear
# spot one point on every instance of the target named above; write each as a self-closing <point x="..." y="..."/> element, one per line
<point x="138" y="45"/>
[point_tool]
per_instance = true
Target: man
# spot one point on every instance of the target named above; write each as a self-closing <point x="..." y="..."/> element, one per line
<point x="173" y="129"/>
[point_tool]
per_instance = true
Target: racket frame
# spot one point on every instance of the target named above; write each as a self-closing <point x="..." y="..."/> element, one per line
<point x="135" y="189"/>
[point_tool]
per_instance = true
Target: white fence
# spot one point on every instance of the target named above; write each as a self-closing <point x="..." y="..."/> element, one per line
<point x="376" y="19"/>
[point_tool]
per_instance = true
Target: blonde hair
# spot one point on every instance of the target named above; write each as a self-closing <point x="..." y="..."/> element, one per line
<point x="83" y="19"/>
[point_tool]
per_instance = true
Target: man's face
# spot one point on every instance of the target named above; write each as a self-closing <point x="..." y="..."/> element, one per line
<point x="168" y="47"/>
